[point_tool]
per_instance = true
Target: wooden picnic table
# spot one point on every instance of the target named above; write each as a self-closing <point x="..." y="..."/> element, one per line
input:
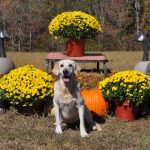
<point x="97" y="58"/>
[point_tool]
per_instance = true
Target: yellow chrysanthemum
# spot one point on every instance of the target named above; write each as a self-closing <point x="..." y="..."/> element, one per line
<point x="81" y="24"/>
<point x="130" y="84"/>
<point x="27" y="85"/>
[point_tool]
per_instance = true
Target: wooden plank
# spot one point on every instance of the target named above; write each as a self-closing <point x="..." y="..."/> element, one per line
<point x="88" y="58"/>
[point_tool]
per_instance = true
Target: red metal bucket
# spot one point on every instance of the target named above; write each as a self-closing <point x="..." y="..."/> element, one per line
<point x="75" y="48"/>
<point x="125" y="111"/>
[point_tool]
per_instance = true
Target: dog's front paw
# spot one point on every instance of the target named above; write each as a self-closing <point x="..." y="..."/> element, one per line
<point x="58" y="130"/>
<point x="84" y="134"/>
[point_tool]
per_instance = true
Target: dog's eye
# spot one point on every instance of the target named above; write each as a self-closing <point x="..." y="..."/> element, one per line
<point x="61" y="65"/>
<point x="70" y="65"/>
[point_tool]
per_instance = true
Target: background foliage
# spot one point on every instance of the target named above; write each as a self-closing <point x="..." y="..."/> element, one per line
<point x="28" y="20"/>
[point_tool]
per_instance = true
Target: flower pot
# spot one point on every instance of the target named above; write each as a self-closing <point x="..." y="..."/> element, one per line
<point x="125" y="111"/>
<point x="75" y="48"/>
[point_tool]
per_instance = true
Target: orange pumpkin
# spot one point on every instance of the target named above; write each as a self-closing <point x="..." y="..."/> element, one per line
<point x="95" y="101"/>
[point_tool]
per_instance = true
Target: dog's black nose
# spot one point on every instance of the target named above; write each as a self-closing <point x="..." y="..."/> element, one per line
<point x="65" y="72"/>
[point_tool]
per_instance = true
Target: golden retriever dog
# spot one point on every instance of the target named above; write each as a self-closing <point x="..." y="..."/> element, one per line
<point x="68" y="102"/>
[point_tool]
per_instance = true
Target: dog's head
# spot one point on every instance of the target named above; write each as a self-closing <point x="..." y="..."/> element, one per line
<point x="66" y="69"/>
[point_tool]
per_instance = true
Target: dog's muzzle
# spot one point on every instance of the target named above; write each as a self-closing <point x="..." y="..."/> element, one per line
<point x="66" y="76"/>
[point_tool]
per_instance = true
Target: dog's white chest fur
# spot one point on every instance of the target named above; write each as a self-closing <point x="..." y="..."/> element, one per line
<point x="64" y="95"/>
<point x="69" y="112"/>
<point x="67" y="103"/>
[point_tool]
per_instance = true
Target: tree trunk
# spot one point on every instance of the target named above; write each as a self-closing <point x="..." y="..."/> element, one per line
<point x="19" y="41"/>
<point x="12" y="42"/>
<point x="30" y="46"/>
<point x="2" y="50"/>
<point x="137" y="9"/>
<point x="30" y="21"/>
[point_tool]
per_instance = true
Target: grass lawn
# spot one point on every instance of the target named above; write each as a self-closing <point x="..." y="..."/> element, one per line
<point x="37" y="133"/>
<point x="119" y="60"/>
<point x="20" y="132"/>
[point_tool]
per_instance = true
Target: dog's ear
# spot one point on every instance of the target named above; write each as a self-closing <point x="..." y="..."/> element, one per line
<point x="77" y="68"/>
<point x="56" y="69"/>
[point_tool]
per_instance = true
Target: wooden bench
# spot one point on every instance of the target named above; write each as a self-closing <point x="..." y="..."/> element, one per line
<point x="97" y="58"/>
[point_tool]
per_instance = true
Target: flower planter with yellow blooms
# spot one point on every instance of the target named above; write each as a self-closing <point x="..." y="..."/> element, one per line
<point x="74" y="26"/>
<point x="27" y="87"/>
<point x="129" y="85"/>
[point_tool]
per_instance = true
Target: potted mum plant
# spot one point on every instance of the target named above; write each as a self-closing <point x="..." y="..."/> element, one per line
<point x="76" y="27"/>
<point x="127" y="89"/>
<point x="28" y="88"/>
